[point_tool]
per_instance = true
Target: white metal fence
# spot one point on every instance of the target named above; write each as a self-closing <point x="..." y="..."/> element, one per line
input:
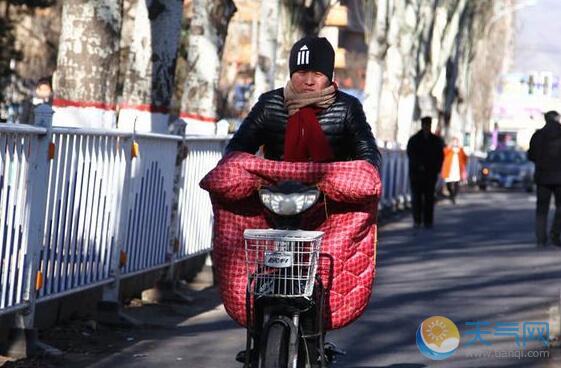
<point x="16" y="147"/>
<point x="80" y="208"/>
<point x="194" y="216"/>
<point x="395" y="179"/>
<point x="86" y="175"/>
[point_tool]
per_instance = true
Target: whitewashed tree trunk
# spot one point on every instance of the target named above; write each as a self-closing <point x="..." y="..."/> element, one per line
<point x="267" y="46"/>
<point x="377" y="37"/>
<point x="88" y="64"/>
<point x="389" y="97"/>
<point x="405" y="113"/>
<point x="396" y="74"/>
<point x="373" y="88"/>
<point x="409" y="46"/>
<point x="148" y="86"/>
<point x="208" y="30"/>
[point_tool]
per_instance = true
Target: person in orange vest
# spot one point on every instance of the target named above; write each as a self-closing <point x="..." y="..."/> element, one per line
<point x="454" y="168"/>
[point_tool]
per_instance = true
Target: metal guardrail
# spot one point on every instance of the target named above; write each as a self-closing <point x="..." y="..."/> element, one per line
<point x="15" y="174"/>
<point x="194" y="214"/>
<point x="81" y="208"/>
<point x="396" y="192"/>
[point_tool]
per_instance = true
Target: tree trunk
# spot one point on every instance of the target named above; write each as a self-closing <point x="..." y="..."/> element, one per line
<point x="267" y="46"/>
<point x="492" y="35"/>
<point x="445" y="28"/>
<point x="409" y="46"/>
<point x="373" y="88"/>
<point x="88" y="61"/>
<point x="377" y="36"/>
<point x="389" y="97"/>
<point x="148" y="86"/>
<point x="208" y="31"/>
<point x="451" y="93"/>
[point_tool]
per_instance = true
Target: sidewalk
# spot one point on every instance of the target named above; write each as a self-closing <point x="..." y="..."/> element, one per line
<point x="86" y="343"/>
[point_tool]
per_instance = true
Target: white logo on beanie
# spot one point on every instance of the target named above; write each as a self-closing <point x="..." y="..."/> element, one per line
<point x="303" y="56"/>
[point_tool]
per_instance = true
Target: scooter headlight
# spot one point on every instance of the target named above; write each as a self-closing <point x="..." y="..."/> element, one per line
<point x="288" y="204"/>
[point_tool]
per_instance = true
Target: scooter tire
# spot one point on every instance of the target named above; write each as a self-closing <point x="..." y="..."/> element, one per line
<point x="275" y="352"/>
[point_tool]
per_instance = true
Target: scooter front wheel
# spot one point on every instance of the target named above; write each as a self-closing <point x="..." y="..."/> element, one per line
<point x="275" y="352"/>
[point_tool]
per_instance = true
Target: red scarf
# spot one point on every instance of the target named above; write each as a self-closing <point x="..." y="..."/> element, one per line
<point x="304" y="140"/>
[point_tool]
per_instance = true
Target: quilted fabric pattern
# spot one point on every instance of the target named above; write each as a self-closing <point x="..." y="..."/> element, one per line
<point x="348" y="251"/>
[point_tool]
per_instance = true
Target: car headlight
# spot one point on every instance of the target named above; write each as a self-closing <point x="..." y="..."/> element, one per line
<point x="288" y="204"/>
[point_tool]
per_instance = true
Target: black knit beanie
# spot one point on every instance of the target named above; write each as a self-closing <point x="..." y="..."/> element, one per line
<point x="312" y="53"/>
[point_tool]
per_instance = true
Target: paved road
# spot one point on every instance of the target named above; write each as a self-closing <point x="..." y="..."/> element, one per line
<point x="477" y="264"/>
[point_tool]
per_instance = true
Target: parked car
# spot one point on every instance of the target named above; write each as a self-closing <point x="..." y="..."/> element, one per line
<point x="506" y="169"/>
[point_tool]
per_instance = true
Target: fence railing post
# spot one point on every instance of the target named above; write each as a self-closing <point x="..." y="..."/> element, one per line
<point x="167" y="284"/>
<point x="109" y="308"/>
<point x="23" y="336"/>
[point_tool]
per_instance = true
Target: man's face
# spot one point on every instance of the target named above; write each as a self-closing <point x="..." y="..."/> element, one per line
<point x="305" y="81"/>
<point x="43" y="91"/>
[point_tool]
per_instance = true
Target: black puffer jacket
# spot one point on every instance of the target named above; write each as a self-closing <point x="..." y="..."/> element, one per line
<point x="545" y="152"/>
<point x="426" y="154"/>
<point x="343" y="123"/>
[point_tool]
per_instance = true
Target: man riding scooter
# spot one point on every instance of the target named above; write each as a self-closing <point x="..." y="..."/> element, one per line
<point x="308" y="121"/>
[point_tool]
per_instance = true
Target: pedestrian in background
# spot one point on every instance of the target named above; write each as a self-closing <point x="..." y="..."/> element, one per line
<point x="454" y="168"/>
<point x="545" y="152"/>
<point x="425" y="151"/>
<point x="43" y="94"/>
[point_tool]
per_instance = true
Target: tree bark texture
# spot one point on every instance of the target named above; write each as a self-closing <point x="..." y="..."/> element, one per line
<point x="445" y="28"/>
<point x="377" y="37"/>
<point x="267" y="47"/>
<point x="88" y="61"/>
<point x="205" y="46"/>
<point x="149" y="78"/>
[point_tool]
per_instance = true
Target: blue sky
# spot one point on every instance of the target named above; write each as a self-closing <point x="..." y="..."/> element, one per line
<point x="538" y="37"/>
